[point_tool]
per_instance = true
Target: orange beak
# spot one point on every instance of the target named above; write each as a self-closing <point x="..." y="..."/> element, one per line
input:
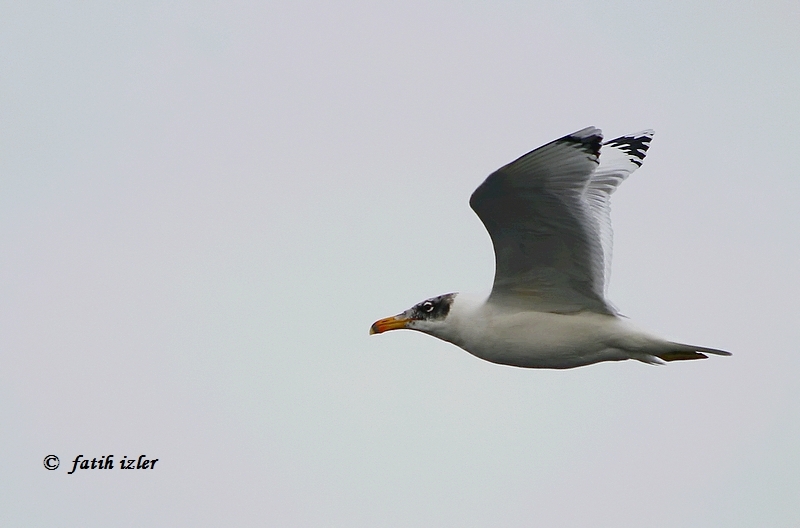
<point x="390" y="323"/>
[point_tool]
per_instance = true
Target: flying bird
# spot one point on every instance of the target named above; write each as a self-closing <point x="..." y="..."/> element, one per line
<point x="548" y="216"/>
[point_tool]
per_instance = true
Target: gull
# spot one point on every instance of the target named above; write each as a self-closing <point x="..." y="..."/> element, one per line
<point x="548" y="216"/>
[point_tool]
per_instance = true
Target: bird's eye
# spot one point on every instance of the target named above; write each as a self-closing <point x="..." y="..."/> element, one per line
<point x="427" y="307"/>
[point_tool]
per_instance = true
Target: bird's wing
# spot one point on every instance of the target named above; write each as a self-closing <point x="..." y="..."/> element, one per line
<point x="548" y="253"/>
<point x="618" y="159"/>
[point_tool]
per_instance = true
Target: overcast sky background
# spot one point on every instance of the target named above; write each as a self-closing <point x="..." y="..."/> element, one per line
<point x="204" y="206"/>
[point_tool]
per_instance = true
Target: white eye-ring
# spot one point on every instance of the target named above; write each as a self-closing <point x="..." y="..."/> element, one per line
<point x="427" y="307"/>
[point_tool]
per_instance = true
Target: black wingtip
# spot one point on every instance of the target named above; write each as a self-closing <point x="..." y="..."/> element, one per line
<point x="634" y="145"/>
<point x="589" y="140"/>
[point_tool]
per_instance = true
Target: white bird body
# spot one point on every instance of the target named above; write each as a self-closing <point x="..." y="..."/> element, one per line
<point x="541" y="339"/>
<point x="548" y="215"/>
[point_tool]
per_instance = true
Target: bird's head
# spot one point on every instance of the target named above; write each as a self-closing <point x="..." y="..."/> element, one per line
<point x="423" y="317"/>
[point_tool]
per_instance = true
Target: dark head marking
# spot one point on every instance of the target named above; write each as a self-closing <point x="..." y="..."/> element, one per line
<point x="435" y="308"/>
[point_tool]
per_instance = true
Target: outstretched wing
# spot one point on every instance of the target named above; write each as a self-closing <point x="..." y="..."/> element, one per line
<point x="548" y="253"/>
<point x="618" y="159"/>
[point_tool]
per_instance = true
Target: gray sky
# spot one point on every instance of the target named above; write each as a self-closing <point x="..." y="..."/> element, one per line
<point x="205" y="205"/>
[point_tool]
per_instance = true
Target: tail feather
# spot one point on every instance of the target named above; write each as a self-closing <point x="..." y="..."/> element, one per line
<point x="680" y="356"/>
<point x="680" y="352"/>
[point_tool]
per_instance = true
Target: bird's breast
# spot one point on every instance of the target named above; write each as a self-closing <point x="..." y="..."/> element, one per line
<point x="536" y="339"/>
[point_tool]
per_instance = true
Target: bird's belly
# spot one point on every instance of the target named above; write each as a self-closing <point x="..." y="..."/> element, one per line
<point x="544" y="340"/>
